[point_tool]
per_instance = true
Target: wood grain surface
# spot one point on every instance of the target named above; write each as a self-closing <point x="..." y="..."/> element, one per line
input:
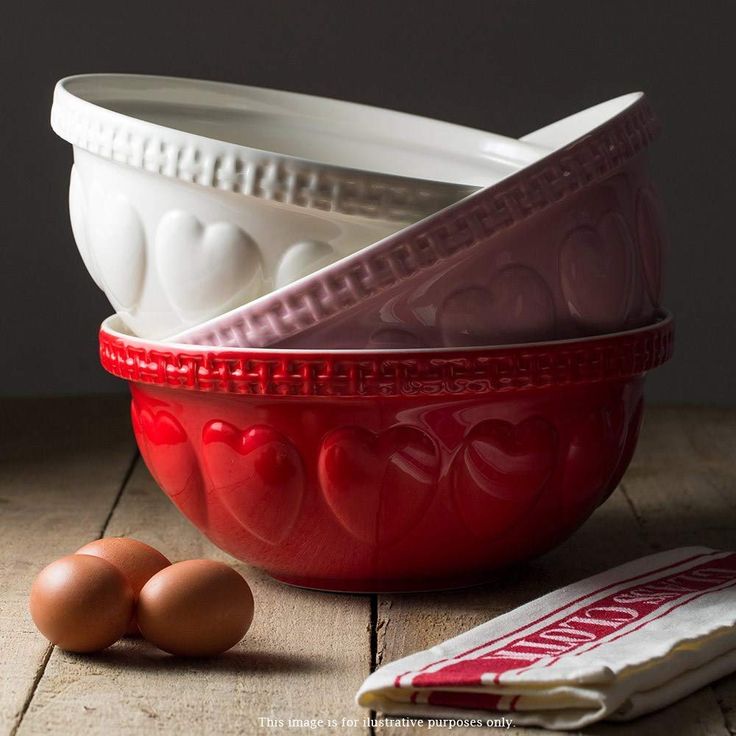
<point x="69" y="474"/>
<point x="62" y="466"/>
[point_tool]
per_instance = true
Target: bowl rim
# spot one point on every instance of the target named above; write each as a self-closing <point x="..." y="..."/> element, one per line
<point x="441" y="238"/>
<point x="79" y="116"/>
<point x="355" y="373"/>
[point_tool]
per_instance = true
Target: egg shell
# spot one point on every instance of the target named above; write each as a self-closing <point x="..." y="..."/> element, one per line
<point x="137" y="560"/>
<point x="196" y="608"/>
<point x="81" y="603"/>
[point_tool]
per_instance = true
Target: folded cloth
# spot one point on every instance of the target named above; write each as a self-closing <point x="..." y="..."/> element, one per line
<point x="614" y="646"/>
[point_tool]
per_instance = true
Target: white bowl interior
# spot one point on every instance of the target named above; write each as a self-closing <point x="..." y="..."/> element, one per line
<point x="565" y="131"/>
<point x="326" y="131"/>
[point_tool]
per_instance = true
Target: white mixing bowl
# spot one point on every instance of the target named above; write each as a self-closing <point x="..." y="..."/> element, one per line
<point x="190" y="198"/>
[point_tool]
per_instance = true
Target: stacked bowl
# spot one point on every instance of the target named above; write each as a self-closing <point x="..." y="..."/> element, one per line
<point x="369" y="351"/>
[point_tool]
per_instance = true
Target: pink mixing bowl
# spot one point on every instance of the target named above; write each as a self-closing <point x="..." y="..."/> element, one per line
<point x="567" y="247"/>
<point x="366" y="471"/>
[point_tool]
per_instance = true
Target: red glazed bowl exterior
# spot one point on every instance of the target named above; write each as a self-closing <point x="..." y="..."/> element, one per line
<point x="367" y="472"/>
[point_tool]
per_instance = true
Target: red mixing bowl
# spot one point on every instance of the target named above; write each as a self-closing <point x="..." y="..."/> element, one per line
<point x="376" y="471"/>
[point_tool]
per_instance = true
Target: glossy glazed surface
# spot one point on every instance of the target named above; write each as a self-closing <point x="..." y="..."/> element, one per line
<point x="567" y="247"/>
<point x="190" y="198"/>
<point x="397" y="471"/>
<point x="370" y="153"/>
<point x="169" y="254"/>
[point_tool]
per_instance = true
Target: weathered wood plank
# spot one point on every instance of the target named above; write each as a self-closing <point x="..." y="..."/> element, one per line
<point x="307" y="652"/>
<point x="686" y="495"/>
<point x="678" y="491"/>
<point x="676" y="436"/>
<point x="409" y="623"/>
<point x="696" y="715"/>
<point x="725" y="692"/>
<point x="62" y="462"/>
<point x="689" y="496"/>
<point x="305" y="656"/>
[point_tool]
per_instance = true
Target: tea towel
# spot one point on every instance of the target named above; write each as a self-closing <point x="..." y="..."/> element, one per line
<point x="613" y="646"/>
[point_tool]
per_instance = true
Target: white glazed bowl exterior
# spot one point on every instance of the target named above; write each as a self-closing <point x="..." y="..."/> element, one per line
<point x="283" y="146"/>
<point x="169" y="254"/>
<point x="178" y="221"/>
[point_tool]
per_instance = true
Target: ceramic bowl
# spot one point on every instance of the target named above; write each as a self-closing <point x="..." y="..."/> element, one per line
<point x="387" y="470"/>
<point x="567" y="247"/>
<point x="189" y="198"/>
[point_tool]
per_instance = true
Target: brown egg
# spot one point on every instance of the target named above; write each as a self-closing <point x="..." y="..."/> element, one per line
<point x="136" y="560"/>
<point x="81" y="603"/>
<point x="196" y="608"/>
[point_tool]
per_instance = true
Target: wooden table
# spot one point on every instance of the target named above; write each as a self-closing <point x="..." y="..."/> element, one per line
<point x="69" y="473"/>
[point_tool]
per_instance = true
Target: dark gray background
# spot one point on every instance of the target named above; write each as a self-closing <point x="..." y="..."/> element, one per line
<point x="503" y="65"/>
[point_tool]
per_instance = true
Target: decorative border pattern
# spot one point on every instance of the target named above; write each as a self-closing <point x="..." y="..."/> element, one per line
<point x="275" y="178"/>
<point x="450" y="372"/>
<point x="447" y="235"/>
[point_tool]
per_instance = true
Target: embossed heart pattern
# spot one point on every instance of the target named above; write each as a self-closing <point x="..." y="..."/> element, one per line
<point x="374" y="408"/>
<point x="190" y="198"/>
<point x="568" y="246"/>
<point x="230" y="215"/>
<point x="387" y="470"/>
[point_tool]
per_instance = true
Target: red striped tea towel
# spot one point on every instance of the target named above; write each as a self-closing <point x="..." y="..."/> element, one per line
<point x="616" y="645"/>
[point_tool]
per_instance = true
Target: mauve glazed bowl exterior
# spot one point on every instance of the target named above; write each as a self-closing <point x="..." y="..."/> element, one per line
<point x="567" y="247"/>
<point x="388" y="471"/>
<point x="188" y="198"/>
